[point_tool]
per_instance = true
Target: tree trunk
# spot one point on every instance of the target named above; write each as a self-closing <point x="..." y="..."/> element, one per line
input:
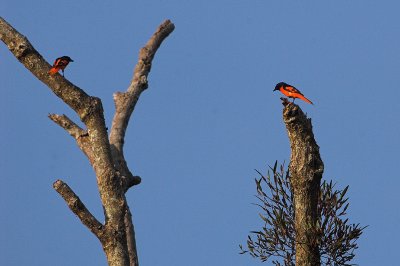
<point x="305" y="169"/>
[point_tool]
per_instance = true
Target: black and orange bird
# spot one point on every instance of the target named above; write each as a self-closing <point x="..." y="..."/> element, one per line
<point x="60" y="63"/>
<point x="290" y="91"/>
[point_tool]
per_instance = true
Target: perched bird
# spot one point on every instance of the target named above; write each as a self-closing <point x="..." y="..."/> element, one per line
<point x="60" y="63"/>
<point x="290" y="91"/>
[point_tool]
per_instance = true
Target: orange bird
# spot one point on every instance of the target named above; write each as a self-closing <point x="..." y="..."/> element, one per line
<point x="290" y="91"/>
<point x="60" y="63"/>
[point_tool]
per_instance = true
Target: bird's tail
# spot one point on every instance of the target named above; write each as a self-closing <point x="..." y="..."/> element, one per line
<point x="305" y="99"/>
<point x="53" y="70"/>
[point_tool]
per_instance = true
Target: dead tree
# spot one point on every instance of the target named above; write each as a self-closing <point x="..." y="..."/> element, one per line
<point x="305" y="170"/>
<point x="291" y="211"/>
<point x="105" y="153"/>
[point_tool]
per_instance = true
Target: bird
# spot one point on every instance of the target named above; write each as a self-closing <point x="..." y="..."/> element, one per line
<point x="60" y="63"/>
<point x="290" y="91"/>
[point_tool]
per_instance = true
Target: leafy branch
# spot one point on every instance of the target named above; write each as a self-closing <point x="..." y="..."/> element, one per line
<point x="337" y="239"/>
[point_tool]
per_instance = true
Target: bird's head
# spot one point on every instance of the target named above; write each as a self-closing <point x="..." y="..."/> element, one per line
<point x="67" y="58"/>
<point x="279" y="85"/>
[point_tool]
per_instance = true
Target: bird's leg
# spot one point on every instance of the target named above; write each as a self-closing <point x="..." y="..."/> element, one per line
<point x="62" y="71"/>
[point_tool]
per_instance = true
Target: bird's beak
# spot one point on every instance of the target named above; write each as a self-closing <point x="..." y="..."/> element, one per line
<point x="72" y="60"/>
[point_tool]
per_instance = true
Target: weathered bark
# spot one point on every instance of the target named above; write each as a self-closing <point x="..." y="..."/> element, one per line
<point x="113" y="176"/>
<point x="124" y="105"/>
<point x="125" y="102"/>
<point x="305" y="169"/>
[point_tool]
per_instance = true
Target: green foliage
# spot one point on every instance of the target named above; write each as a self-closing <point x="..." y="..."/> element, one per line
<point x="276" y="239"/>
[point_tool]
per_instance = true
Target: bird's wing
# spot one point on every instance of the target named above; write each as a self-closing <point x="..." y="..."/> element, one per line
<point x="292" y="89"/>
<point x="61" y="62"/>
<point x="56" y="62"/>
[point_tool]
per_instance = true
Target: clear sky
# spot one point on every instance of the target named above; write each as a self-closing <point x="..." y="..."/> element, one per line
<point x="208" y="119"/>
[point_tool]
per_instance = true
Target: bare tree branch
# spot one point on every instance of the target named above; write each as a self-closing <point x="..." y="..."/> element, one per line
<point x="125" y="101"/>
<point x="65" y="122"/>
<point x="78" y="208"/>
<point x="23" y="50"/>
<point x="124" y="105"/>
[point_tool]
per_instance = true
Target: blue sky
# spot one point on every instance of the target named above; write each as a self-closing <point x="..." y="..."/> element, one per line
<point x="208" y="119"/>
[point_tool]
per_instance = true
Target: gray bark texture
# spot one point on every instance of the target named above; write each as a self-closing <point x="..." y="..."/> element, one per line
<point x="305" y="170"/>
<point x="105" y="154"/>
